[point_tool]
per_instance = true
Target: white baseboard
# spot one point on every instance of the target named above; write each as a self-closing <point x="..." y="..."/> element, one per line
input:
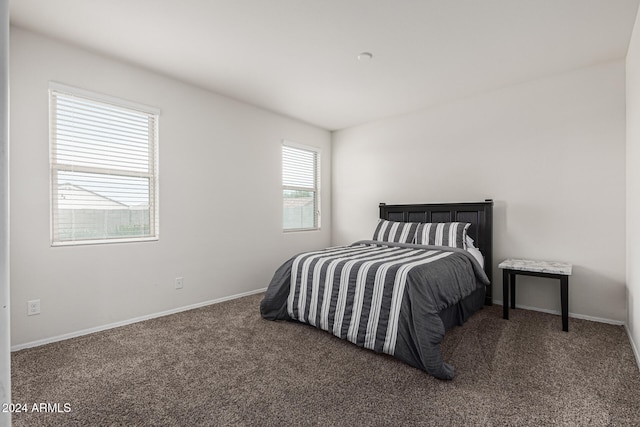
<point x="574" y="315"/>
<point x="130" y="321"/>
<point x="634" y="347"/>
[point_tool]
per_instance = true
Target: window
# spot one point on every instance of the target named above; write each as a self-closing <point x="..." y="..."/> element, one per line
<point x="103" y="168"/>
<point x="300" y="188"/>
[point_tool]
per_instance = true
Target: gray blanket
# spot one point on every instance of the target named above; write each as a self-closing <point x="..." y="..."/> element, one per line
<point x="382" y="296"/>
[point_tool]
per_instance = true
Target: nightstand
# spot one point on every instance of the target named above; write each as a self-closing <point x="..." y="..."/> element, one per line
<point x="550" y="269"/>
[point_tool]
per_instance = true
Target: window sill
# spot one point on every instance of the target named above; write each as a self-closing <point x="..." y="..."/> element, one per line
<point x="103" y="241"/>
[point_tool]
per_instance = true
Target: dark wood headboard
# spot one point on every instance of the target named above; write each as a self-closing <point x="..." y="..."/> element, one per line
<point x="478" y="214"/>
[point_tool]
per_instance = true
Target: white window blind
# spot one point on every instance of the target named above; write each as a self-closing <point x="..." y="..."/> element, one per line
<point x="300" y="188"/>
<point x="103" y="168"/>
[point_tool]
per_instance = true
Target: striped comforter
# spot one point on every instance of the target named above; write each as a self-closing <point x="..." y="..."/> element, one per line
<point x="384" y="297"/>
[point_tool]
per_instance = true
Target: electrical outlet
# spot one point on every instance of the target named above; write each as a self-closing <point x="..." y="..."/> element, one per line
<point x="179" y="282"/>
<point x="33" y="307"/>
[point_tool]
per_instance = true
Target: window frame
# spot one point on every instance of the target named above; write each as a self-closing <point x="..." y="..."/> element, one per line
<point x="316" y="189"/>
<point x="58" y="89"/>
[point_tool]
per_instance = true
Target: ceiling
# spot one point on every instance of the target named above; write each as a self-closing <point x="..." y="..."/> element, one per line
<point x="299" y="57"/>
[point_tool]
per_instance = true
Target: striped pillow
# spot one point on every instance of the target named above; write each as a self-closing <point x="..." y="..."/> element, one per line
<point x="393" y="231"/>
<point x="451" y="234"/>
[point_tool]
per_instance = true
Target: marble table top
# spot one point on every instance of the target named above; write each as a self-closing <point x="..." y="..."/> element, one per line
<point x="551" y="267"/>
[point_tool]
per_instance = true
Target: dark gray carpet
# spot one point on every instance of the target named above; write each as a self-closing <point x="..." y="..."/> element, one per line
<point x="224" y="365"/>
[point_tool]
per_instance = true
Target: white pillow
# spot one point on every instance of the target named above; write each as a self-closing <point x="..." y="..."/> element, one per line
<point x="474" y="251"/>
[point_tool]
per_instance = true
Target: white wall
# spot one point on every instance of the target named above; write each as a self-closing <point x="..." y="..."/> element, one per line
<point x="5" y="346"/>
<point x="551" y="153"/>
<point x="220" y="198"/>
<point x="633" y="188"/>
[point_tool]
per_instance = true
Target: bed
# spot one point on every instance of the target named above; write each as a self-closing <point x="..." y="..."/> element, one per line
<point x="427" y="268"/>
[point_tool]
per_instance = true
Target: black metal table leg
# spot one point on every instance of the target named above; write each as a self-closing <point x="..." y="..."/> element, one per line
<point x="505" y="294"/>
<point x="564" y="300"/>
<point x="512" y="281"/>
